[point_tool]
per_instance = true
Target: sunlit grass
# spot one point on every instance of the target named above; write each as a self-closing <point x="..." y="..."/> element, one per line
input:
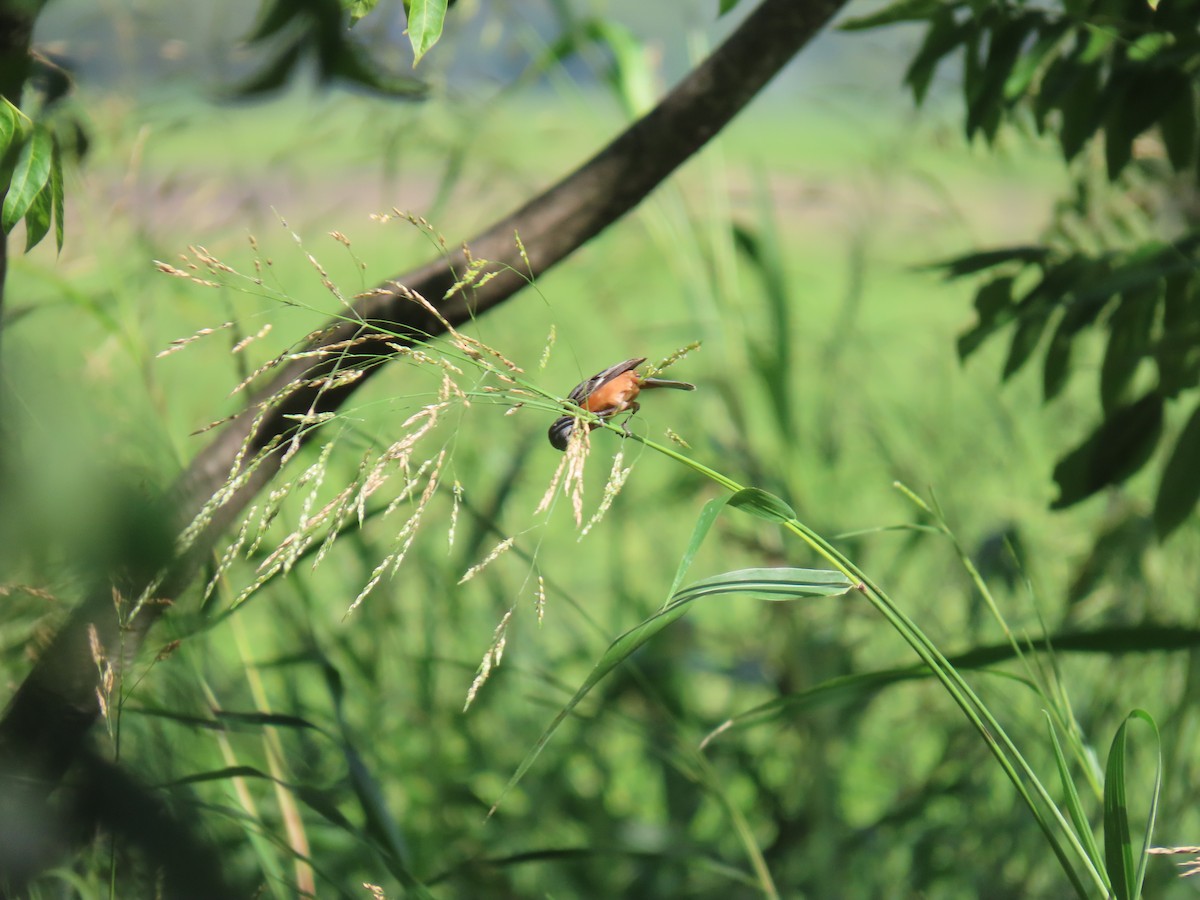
<point x="877" y="396"/>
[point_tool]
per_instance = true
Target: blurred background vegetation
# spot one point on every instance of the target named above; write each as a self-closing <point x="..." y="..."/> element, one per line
<point x="315" y="748"/>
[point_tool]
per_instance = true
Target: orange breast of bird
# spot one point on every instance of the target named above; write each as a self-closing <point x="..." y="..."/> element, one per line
<point x="615" y="395"/>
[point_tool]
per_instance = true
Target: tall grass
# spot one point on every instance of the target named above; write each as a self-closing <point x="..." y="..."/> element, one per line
<point x="775" y="748"/>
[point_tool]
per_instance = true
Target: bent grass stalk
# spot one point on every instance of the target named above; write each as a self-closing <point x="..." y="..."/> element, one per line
<point x="1007" y="755"/>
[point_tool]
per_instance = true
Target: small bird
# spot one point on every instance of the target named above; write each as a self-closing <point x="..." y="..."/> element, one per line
<point x="608" y="393"/>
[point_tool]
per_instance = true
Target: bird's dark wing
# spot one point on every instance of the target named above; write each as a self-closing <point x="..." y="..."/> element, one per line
<point x="584" y="388"/>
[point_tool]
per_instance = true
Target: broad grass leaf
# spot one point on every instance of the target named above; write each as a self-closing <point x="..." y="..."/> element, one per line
<point x="1114" y="641"/>
<point x="768" y="584"/>
<point x="320" y="801"/>
<point x="1126" y="865"/>
<point x="30" y="175"/>
<point x="1120" y="446"/>
<point x="762" y="504"/>
<point x="425" y="21"/>
<point x="379" y="825"/>
<point x="221" y="720"/>
<point x="704" y="523"/>
<point x="1179" y="489"/>
<point x="844" y="689"/>
<point x="772" y="354"/>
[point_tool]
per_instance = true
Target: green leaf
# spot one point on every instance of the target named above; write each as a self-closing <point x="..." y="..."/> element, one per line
<point x="1179" y="488"/>
<point x="56" y="195"/>
<point x="768" y="584"/>
<point x="30" y="175"/>
<point x="903" y="11"/>
<point x="762" y="504"/>
<point x="1148" y="45"/>
<point x="274" y="75"/>
<point x="346" y="61"/>
<point x="988" y="259"/>
<point x="37" y="220"/>
<point x="1135" y="101"/>
<point x="1114" y="451"/>
<point x="631" y="75"/>
<point x="725" y="6"/>
<point x="1177" y="351"/>
<point x="1033" y="61"/>
<point x="1079" y="314"/>
<point x="359" y="8"/>
<point x="1056" y="366"/>
<point x="986" y="106"/>
<point x="1033" y="312"/>
<point x="273" y="18"/>
<point x="425" y="20"/>
<point x="704" y="523"/>
<point x="771" y="355"/>
<point x="1178" y="127"/>
<point x="1079" y="102"/>
<point x="994" y="308"/>
<point x="943" y="36"/>
<point x="10" y="126"/>
<point x="1129" y="330"/>
<point x="1025" y="339"/>
<point x="1127" y="866"/>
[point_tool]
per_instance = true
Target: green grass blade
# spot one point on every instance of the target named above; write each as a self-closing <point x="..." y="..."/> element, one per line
<point x="762" y="504"/>
<point x="842" y="689"/>
<point x="768" y="584"/>
<point x="1075" y="809"/>
<point x="56" y="194"/>
<point x="1126" y="868"/>
<point x="803" y="583"/>
<point x="704" y="524"/>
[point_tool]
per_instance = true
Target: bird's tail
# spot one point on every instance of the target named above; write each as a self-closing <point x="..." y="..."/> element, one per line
<point x="647" y="383"/>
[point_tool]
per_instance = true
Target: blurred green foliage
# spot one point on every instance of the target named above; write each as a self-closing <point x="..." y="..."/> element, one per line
<point x="297" y="736"/>
<point x="1114" y="81"/>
